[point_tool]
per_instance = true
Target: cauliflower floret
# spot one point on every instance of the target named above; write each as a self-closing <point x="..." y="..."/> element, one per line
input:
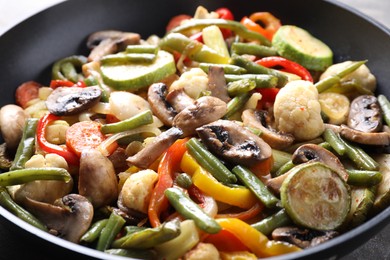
<point x="194" y="82"/>
<point x="361" y="76"/>
<point x="137" y="189"/>
<point x="298" y="111"/>
<point x="203" y="251"/>
<point x="49" y="160"/>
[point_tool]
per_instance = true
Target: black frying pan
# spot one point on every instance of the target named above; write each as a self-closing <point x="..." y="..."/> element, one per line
<point x="29" y="49"/>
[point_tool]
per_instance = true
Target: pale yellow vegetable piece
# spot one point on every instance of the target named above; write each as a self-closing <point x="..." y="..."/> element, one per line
<point x="335" y="106"/>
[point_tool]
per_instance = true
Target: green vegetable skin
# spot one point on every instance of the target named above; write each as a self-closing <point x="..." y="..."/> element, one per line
<point x="133" y="76"/>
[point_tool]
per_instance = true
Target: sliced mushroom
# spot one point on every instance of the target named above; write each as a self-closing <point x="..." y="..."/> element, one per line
<point x="97" y="178"/>
<point x="69" y="101"/>
<point x="379" y="138"/>
<point x="149" y="154"/>
<point x="365" y="114"/>
<point x="259" y="119"/>
<point x="204" y="110"/>
<point x="161" y="108"/>
<point x="313" y="152"/>
<point x="217" y="83"/>
<point x="234" y="143"/>
<point x="179" y="99"/>
<point x="110" y="41"/>
<point x="69" y="217"/>
<point x="12" y="121"/>
<point x="302" y="237"/>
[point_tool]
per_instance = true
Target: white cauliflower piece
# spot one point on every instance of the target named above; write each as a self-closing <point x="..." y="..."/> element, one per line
<point x="194" y="82"/>
<point x="362" y="75"/>
<point x="137" y="189"/>
<point x="49" y="160"/>
<point x="298" y="111"/>
<point x="203" y="251"/>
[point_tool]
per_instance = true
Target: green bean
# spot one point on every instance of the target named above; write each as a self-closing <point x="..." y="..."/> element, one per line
<point x="7" y="202"/>
<point x="284" y="168"/>
<point x="26" y="146"/>
<point x="133" y="253"/>
<point x="257" y="187"/>
<point x="236" y="103"/>
<point x="112" y="228"/>
<point x="190" y="210"/>
<point x="132" y="229"/>
<point x="385" y="106"/>
<point x="255" y="68"/>
<point x="334" y="140"/>
<point x="227" y="68"/>
<point x="22" y="176"/>
<point x="267" y="225"/>
<point x="261" y="80"/>
<point x="153" y="49"/>
<point x="94" y="231"/>
<point x="240" y="86"/>
<point x="142" y="118"/>
<point x="210" y="162"/>
<point x="280" y="158"/>
<point x="184" y="180"/>
<point x="359" y="157"/>
<point x="149" y="237"/>
<point x="363" y="177"/>
<point x="76" y="61"/>
<point x="258" y="50"/>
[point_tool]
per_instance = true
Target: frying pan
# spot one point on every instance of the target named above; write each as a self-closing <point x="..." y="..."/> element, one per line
<point x="28" y="50"/>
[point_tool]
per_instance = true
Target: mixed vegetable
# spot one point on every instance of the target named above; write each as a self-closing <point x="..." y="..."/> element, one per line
<point x="223" y="139"/>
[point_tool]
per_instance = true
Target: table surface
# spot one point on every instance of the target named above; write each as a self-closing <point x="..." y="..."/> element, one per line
<point x="15" y="11"/>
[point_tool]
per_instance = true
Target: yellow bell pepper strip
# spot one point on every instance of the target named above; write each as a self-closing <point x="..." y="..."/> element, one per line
<point x="236" y="196"/>
<point x="234" y="26"/>
<point x="237" y="255"/>
<point x="169" y="164"/>
<point x="257" y="242"/>
<point x="193" y="49"/>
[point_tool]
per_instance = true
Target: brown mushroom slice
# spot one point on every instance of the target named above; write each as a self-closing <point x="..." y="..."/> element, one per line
<point x="313" y="152"/>
<point x="150" y="153"/>
<point x="69" y="217"/>
<point x="234" y="143"/>
<point x="110" y="41"/>
<point x="97" y="178"/>
<point x="365" y="114"/>
<point x="12" y="121"/>
<point x="69" y="101"/>
<point x="161" y="108"/>
<point x="302" y="237"/>
<point x="217" y="83"/>
<point x="379" y="138"/>
<point x="179" y="99"/>
<point x="258" y="119"/>
<point x="204" y="110"/>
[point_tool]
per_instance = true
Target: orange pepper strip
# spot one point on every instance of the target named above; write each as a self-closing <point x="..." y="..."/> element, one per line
<point x="270" y="22"/>
<point x="256" y="241"/>
<point x="170" y="163"/>
<point x="253" y="26"/>
<point x="244" y="215"/>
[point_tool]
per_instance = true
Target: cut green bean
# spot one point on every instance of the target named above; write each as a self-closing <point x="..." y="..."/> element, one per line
<point x="362" y="160"/>
<point x="267" y="225"/>
<point x="255" y="68"/>
<point x="257" y="187"/>
<point x="149" y="237"/>
<point x="261" y="80"/>
<point x="210" y="162"/>
<point x="236" y="103"/>
<point x="363" y="178"/>
<point x="334" y="140"/>
<point x="152" y="49"/>
<point x="22" y="176"/>
<point x="257" y="50"/>
<point x="26" y="146"/>
<point x="280" y="158"/>
<point x="184" y="180"/>
<point x="8" y="203"/>
<point x="240" y="87"/>
<point x="385" y="106"/>
<point x="143" y="118"/>
<point x="94" y="231"/>
<point x="190" y="210"/>
<point x="109" y="232"/>
<point x="284" y="168"/>
<point x="227" y="68"/>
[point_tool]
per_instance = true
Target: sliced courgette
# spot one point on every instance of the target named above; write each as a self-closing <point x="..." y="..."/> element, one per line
<point x="299" y="45"/>
<point x="382" y="199"/>
<point x="131" y="76"/>
<point x="315" y="196"/>
<point x="362" y="200"/>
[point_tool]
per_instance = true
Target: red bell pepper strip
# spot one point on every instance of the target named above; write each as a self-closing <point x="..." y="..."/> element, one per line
<point x="225" y="13"/>
<point x="47" y="147"/>
<point x="268" y="96"/>
<point x="169" y="165"/>
<point x="176" y="21"/>
<point x="270" y="23"/>
<point x="287" y="66"/>
<point x="55" y="83"/>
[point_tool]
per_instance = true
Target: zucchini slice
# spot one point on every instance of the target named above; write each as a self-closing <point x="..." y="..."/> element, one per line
<point x="299" y="45"/>
<point x="315" y="196"/>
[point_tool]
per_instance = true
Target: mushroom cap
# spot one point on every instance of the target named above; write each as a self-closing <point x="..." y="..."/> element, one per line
<point x="157" y="93"/>
<point x="365" y="114"/>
